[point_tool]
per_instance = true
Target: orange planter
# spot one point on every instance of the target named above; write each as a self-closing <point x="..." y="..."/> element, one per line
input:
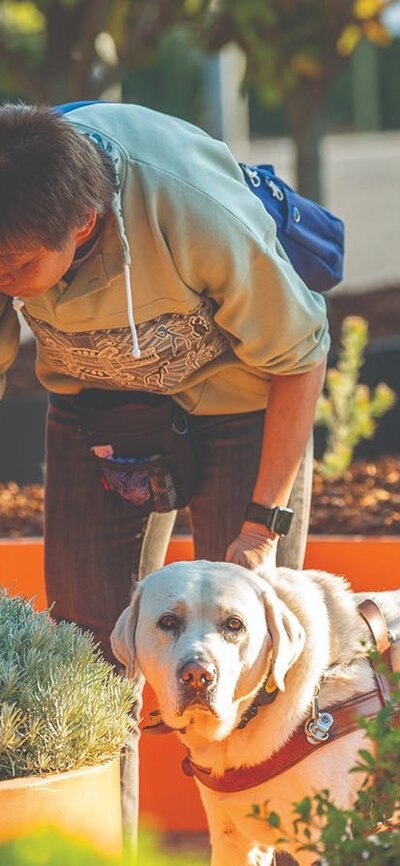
<point x="369" y="563"/>
<point x="82" y="803"/>
<point x="168" y="798"/>
<point x="22" y="568"/>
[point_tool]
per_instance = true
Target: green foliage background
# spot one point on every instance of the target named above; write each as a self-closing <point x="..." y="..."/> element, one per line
<point x="50" y="848"/>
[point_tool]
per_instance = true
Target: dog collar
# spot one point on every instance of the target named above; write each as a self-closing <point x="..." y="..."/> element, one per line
<point x="266" y="695"/>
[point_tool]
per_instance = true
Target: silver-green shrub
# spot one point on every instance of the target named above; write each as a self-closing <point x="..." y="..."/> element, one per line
<point x="62" y="706"/>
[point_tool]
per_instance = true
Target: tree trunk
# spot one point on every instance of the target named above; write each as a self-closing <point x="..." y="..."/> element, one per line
<point x="306" y="124"/>
<point x="82" y="83"/>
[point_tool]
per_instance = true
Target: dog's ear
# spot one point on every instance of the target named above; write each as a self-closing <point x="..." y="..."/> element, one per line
<point x="288" y="636"/>
<point x="123" y="635"/>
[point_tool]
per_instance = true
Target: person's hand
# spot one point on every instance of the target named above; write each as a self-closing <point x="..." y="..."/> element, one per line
<point x="254" y="548"/>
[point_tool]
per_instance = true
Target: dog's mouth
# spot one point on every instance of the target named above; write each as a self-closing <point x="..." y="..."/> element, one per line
<point x="202" y="703"/>
<point x="204" y="720"/>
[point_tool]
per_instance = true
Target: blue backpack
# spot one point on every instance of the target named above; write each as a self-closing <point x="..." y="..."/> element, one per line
<point x="312" y="237"/>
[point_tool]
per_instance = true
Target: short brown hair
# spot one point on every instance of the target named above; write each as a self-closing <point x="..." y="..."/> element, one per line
<point x="51" y="177"/>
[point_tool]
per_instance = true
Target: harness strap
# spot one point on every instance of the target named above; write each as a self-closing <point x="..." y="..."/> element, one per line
<point x="295" y="750"/>
<point x="376" y="622"/>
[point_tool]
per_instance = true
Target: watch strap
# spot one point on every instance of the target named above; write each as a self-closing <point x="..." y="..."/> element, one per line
<point x="276" y="519"/>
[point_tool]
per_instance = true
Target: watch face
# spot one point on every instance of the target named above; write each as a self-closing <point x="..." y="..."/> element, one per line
<point x="282" y="521"/>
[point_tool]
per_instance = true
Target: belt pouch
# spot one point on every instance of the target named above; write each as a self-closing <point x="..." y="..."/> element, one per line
<point x="152" y="463"/>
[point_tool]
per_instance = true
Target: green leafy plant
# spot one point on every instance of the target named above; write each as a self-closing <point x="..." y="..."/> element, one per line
<point x="62" y="706"/>
<point x="349" y="410"/>
<point x="50" y="848"/>
<point x="370" y="831"/>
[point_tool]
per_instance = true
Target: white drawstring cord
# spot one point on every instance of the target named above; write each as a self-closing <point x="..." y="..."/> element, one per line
<point x="128" y="290"/>
<point x="17" y="303"/>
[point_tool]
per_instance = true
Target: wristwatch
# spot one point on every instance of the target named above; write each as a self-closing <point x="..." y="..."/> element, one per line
<point x="277" y="519"/>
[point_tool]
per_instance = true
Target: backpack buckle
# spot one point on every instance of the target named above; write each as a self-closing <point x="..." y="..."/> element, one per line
<point x="252" y="175"/>
<point x="274" y="188"/>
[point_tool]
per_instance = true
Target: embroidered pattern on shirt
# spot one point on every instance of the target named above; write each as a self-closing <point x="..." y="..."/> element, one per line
<point x="173" y="346"/>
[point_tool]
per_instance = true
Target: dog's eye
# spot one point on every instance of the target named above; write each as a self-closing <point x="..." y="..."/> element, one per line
<point x="168" y="622"/>
<point x="233" y="623"/>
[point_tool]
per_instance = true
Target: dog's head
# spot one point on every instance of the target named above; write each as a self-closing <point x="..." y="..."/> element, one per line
<point x="206" y="636"/>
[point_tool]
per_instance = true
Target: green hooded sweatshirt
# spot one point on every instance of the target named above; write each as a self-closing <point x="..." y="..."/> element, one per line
<point x="187" y="293"/>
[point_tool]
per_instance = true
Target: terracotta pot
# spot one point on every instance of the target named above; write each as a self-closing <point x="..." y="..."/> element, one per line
<point x="83" y="803"/>
<point x="168" y="798"/>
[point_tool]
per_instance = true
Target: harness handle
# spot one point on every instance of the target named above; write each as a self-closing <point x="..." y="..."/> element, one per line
<point x="374" y="617"/>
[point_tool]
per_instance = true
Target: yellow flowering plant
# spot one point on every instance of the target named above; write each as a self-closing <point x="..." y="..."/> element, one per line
<point x="349" y="410"/>
<point x="367" y="23"/>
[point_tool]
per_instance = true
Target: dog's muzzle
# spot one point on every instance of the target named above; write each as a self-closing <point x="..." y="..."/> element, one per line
<point x="197" y="680"/>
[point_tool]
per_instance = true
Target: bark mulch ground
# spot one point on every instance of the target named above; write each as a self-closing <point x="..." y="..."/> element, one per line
<point x="21" y="510"/>
<point x="365" y="501"/>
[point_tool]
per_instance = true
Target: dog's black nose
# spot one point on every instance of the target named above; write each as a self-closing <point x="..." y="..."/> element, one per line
<point x="197" y="675"/>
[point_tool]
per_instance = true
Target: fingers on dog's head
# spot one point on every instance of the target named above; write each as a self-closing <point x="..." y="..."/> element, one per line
<point x="123" y="635"/>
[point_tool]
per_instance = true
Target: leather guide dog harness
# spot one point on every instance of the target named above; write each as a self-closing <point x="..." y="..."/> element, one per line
<point x="322" y="727"/>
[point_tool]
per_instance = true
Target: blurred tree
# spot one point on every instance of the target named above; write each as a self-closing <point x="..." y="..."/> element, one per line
<point x="294" y="52"/>
<point x="173" y="82"/>
<point x="59" y="50"/>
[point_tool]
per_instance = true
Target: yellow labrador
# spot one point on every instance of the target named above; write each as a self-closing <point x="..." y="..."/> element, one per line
<point x="210" y="638"/>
